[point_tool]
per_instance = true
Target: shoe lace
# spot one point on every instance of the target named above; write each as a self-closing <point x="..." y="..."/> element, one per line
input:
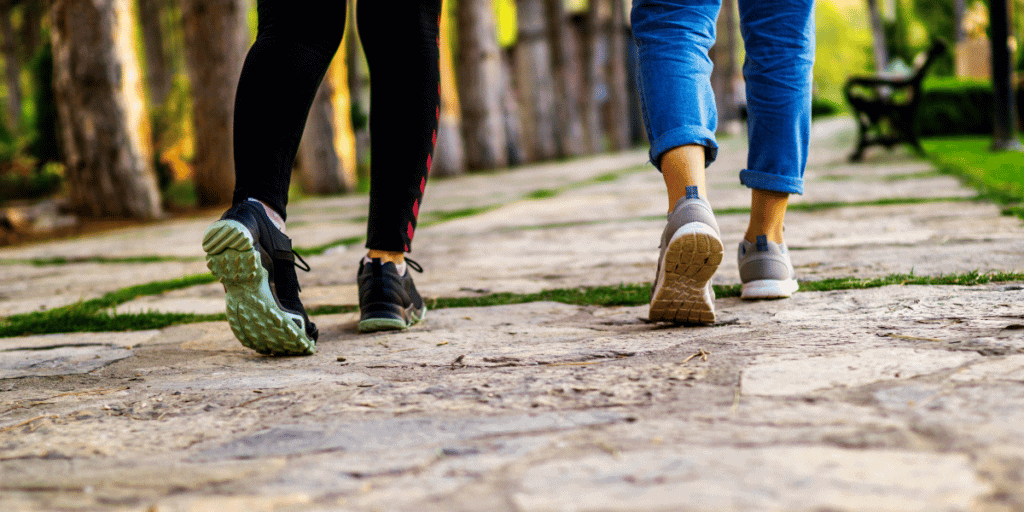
<point x="305" y="266"/>
<point x="413" y="265"/>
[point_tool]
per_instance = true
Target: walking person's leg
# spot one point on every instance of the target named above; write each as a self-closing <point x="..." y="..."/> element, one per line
<point x="673" y="38"/>
<point x="247" y="249"/>
<point x="400" y="40"/>
<point x="779" y="40"/>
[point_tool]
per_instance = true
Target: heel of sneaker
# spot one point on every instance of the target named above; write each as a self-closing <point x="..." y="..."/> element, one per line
<point x="695" y="251"/>
<point x="684" y="293"/>
<point x="769" y="289"/>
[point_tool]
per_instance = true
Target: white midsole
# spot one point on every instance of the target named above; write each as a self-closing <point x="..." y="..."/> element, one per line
<point x="769" y="289"/>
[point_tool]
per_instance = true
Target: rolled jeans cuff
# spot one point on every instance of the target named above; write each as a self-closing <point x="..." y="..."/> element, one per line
<point x="682" y="137"/>
<point x="772" y="182"/>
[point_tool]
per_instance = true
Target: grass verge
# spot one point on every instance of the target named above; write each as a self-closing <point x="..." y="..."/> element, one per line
<point x="996" y="175"/>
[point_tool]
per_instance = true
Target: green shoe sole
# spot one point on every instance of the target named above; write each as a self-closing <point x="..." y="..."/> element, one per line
<point x="253" y="313"/>
<point x="390" y="324"/>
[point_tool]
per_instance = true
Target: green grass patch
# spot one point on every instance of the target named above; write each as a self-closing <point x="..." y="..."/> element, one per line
<point x="332" y="310"/>
<point x="543" y="193"/>
<point x="95" y="315"/>
<point x="639" y="294"/>
<point x="996" y="175"/>
<point x="91" y="315"/>
<point x="620" y="295"/>
<point x="965" y="279"/>
<point x="61" y="260"/>
<point x="438" y="217"/>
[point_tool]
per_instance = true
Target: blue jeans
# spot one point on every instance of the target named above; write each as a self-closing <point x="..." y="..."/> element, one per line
<point x="673" y="37"/>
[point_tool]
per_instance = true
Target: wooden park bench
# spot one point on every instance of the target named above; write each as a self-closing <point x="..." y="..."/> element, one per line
<point x="886" y="107"/>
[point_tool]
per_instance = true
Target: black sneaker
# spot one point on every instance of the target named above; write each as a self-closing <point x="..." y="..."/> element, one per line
<point x="388" y="301"/>
<point x="256" y="263"/>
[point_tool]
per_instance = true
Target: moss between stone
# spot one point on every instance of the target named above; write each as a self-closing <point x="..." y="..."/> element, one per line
<point x="94" y="315"/>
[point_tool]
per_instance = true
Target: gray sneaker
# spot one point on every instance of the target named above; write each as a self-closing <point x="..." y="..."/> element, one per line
<point x="691" y="250"/>
<point x="765" y="270"/>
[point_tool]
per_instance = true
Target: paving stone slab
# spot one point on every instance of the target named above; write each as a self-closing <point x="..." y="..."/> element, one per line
<point x="783" y="478"/>
<point x="808" y="374"/>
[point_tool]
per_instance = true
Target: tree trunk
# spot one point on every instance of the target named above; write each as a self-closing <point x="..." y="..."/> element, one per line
<point x="216" y="37"/>
<point x="511" y="113"/>
<point x="97" y="84"/>
<point x="594" y="82"/>
<point x="879" y="46"/>
<point x="565" y="65"/>
<point x="479" y="72"/>
<point x="449" y="154"/>
<point x="535" y="82"/>
<point x="158" y="76"/>
<point x="616" y="119"/>
<point x="723" y="56"/>
<point x="959" y="8"/>
<point x="31" y="28"/>
<point x="359" y="94"/>
<point x="12" y="68"/>
<point x="327" y="152"/>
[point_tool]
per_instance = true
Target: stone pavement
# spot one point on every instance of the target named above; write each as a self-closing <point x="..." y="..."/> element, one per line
<point x="905" y="398"/>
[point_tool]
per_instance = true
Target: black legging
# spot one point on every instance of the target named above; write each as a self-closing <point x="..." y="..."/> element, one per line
<point x="294" y="46"/>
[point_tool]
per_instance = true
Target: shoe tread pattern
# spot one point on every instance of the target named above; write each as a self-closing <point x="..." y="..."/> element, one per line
<point x="253" y="314"/>
<point x="682" y="297"/>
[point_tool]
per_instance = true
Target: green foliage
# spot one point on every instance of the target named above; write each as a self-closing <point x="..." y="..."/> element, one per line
<point x="843" y="47"/>
<point x="41" y="183"/>
<point x="951" y="106"/>
<point x="178" y="195"/>
<point x="938" y="17"/>
<point x="821" y="107"/>
<point x="44" y="144"/>
<point x="997" y="175"/>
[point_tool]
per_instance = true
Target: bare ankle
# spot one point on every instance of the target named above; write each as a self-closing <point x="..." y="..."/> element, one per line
<point x="394" y="257"/>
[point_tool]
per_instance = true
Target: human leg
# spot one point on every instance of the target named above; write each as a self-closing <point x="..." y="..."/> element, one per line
<point x="779" y="40"/>
<point x="400" y="40"/>
<point x="295" y="43"/>
<point x="673" y="38"/>
<point x="247" y="249"/>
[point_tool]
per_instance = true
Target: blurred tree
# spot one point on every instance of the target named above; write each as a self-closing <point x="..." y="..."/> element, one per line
<point x="327" y="152"/>
<point x="512" y="115"/>
<point x="566" y="71"/>
<point x="449" y="154"/>
<point x="723" y="56"/>
<point x="12" y="67"/>
<point x="616" y="114"/>
<point x="480" y="81"/>
<point x="941" y="19"/>
<point x="535" y="81"/>
<point x="97" y="83"/>
<point x="897" y="34"/>
<point x="595" y="87"/>
<point x="879" y="45"/>
<point x="32" y="14"/>
<point x="216" y="36"/>
<point x="158" y="72"/>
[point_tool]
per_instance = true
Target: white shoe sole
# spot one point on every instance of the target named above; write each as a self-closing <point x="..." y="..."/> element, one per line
<point x="683" y="293"/>
<point x="769" y="289"/>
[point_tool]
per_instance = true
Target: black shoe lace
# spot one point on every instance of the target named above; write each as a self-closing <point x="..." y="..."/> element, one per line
<point x="413" y="265"/>
<point x="305" y="266"/>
